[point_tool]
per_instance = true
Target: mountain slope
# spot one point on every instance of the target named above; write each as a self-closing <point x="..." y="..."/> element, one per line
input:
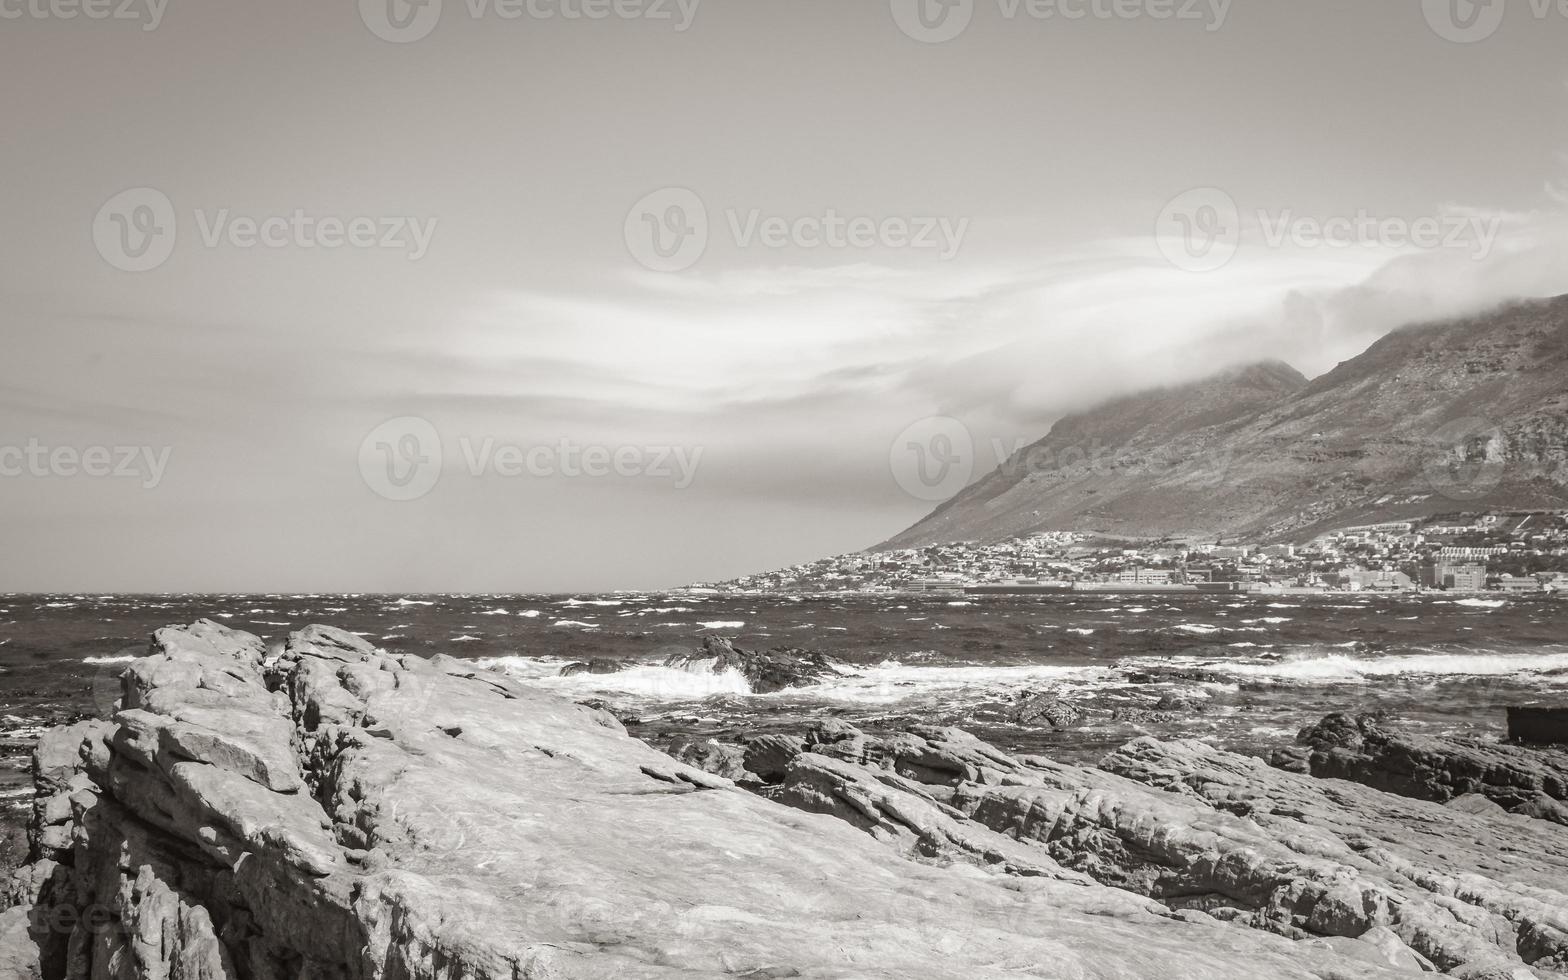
<point x="1462" y="414"/>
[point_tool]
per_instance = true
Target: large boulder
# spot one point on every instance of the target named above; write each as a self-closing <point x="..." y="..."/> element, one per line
<point x="1366" y="749"/>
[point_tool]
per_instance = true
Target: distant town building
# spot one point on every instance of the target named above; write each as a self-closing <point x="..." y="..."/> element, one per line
<point x="1378" y="580"/>
<point x="1146" y="576"/>
<point x="1519" y="583"/>
<point x="1462" y="578"/>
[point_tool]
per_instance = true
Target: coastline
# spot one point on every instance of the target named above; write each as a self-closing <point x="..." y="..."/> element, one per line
<point x="285" y="811"/>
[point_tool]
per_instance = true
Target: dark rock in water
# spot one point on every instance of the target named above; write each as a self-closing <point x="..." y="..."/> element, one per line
<point x="767" y="672"/>
<point x="620" y="714"/>
<point x="712" y="756"/>
<point x="598" y="665"/>
<point x="1142" y="716"/>
<point x="1361" y="749"/>
<point x="1047" y="709"/>
<point x="1173" y="703"/>
<point x="1538" y="726"/>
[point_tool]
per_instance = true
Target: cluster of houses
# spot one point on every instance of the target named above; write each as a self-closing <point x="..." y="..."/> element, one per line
<point x="1516" y="553"/>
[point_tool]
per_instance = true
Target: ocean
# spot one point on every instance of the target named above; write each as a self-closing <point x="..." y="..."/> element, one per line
<point x="1245" y="672"/>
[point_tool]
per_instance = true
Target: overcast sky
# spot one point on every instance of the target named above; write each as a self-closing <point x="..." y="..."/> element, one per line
<point x="532" y="249"/>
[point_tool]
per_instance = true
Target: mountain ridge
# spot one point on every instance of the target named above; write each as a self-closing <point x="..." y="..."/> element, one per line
<point x="1432" y="417"/>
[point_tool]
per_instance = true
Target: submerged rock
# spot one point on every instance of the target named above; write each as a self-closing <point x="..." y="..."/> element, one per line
<point x="766" y="671"/>
<point x="598" y="665"/>
<point x="1047" y="709"/>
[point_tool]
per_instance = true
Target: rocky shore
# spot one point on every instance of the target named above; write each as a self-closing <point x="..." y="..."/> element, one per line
<point x="333" y="812"/>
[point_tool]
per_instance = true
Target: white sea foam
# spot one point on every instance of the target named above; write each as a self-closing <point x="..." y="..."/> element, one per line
<point x="893" y="681"/>
<point x="723" y="624"/>
<point x="1482" y="603"/>
<point x="644" y="680"/>
<point x="1342" y="668"/>
<point x="577" y="623"/>
<point x="109" y="660"/>
<point x="885" y="683"/>
<point x="1199" y="628"/>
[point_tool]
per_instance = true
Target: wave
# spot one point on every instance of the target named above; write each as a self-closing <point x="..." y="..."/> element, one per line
<point x="893" y="681"/>
<point x="1344" y="668"/>
<point x="883" y="683"/>
<point x="650" y="681"/>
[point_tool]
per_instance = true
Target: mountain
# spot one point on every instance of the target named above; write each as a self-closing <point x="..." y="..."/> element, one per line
<point x="1464" y="414"/>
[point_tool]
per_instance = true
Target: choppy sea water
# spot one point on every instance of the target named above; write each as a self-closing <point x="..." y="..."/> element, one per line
<point x="1243" y="671"/>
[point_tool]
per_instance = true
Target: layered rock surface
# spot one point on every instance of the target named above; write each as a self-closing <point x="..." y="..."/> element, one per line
<point x="1474" y="892"/>
<point x="337" y="813"/>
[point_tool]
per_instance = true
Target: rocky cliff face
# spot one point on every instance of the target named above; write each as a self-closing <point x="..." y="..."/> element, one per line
<point x="1465" y="414"/>
<point x="337" y="813"/>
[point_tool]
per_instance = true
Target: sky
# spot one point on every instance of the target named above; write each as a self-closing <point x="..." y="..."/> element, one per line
<point x="580" y="295"/>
